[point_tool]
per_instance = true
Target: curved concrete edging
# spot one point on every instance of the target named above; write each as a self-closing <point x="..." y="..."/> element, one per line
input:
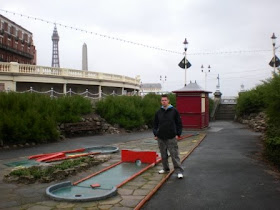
<point x="113" y="149"/>
<point x="52" y="188"/>
<point x="148" y="197"/>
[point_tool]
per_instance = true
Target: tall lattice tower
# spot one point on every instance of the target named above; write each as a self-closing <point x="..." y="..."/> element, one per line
<point x="55" y="52"/>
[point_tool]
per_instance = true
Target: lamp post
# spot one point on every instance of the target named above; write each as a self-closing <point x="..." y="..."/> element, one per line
<point x="141" y="88"/>
<point x="218" y="86"/>
<point x="273" y="45"/>
<point x="205" y="72"/>
<point x="162" y="79"/>
<point x="185" y="53"/>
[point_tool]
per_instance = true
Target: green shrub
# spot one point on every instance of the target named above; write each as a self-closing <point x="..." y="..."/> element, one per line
<point x="123" y="110"/>
<point x="265" y="97"/>
<point x="70" y="109"/>
<point x="131" y="111"/>
<point x="252" y="101"/>
<point x="272" y="100"/>
<point x="150" y="104"/>
<point x="26" y="118"/>
<point x="172" y="98"/>
<point x="34" y="117"/>
<point x="70" y="163"/>
<point x="272" y="150"/>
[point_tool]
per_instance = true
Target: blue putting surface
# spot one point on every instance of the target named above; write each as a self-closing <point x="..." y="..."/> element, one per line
<point x="23" y="163"/>
<point x="108" y="181"/>
<point x="101" y="149"/>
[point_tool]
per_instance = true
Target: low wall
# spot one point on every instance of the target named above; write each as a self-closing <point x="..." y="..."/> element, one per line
<point x="89" y="125"/>
<point x="255" y="121"/>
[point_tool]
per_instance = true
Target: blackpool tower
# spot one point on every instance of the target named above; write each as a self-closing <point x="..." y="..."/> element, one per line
<point x="55" y="52"/>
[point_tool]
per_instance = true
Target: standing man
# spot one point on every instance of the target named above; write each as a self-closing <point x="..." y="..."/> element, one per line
<point x="167" y="129"/>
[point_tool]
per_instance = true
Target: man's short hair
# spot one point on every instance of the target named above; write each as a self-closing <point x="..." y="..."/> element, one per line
<point x="164" y="96"/>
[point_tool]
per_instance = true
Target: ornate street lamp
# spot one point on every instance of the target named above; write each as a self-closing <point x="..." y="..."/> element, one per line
<point x="205" y="72"/>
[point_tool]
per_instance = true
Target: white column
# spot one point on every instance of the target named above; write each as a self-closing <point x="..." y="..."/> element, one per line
<point x="64" y="88"/>
<point x="100" y="91"/>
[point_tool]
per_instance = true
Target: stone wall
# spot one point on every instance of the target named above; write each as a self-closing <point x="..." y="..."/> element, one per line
<point x="255" y="121"/>
<point x="89" y="125"/>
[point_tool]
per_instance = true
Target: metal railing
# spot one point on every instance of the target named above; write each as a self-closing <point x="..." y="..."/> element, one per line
<point x="229" y="100"/>
<point x="6" y="47"/>
<point x="54" y="94"/>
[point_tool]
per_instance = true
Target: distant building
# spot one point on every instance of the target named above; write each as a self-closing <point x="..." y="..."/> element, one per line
<point x="84" y="58"/>
<point x="150" y="87"/>
<point x="16" y="43"/>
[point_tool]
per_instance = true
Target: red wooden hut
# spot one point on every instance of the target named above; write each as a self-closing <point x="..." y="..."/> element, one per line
<point x="192" y="102"/>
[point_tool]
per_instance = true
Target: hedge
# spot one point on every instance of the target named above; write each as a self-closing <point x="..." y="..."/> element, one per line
<point x="131" y="111"/>
<point x="31" y="117"/>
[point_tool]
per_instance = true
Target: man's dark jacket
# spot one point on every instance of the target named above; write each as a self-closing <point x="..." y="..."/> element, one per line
<point x="167" y="123"/>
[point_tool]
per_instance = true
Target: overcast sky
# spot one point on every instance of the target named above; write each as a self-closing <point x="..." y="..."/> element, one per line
<point x="209" y="25"/>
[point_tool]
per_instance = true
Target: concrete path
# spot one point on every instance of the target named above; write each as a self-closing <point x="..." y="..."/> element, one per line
<point x="224" y="172"/>
<point x="75" y="143"/>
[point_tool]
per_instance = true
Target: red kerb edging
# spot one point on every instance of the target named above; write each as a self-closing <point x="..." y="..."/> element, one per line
<point x="72" y="157"/>
<point x="94" y="174"/>
<point x="185" y="136"/>
<point x="138" y="173"/>
<point x="48" y="154"/>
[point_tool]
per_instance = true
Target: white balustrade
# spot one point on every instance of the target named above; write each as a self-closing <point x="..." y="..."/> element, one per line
<point x="27" y="69"/>
<point x="5" y="67"/>
<point x="44" y="70"/>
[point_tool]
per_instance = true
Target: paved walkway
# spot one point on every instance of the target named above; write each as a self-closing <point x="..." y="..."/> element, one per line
<point x="74" y="143"/>
<point x="32" y="197"/>
<point x="224" y="172"/>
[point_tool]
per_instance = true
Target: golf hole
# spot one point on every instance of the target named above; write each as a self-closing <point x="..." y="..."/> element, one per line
<point x="138" y="162"/>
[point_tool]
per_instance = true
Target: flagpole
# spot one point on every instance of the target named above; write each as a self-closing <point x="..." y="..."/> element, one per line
<point x="186" y="65"/>
<point x="186" y="68"/>
<point x="274" y="57"/>
<point x="274" y="67"/>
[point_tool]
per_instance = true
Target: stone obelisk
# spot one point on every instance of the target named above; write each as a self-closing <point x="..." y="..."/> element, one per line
<point x="84" y="59"/>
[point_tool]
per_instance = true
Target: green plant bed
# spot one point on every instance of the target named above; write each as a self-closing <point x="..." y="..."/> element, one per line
<point x="31" y="117"/>
<point x="50" y="173"/>
<point x="272" y="150"/>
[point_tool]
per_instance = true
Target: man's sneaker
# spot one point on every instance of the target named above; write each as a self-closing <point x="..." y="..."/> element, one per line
<point x="180" y="176"/>
<point x="163" y="172"/>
